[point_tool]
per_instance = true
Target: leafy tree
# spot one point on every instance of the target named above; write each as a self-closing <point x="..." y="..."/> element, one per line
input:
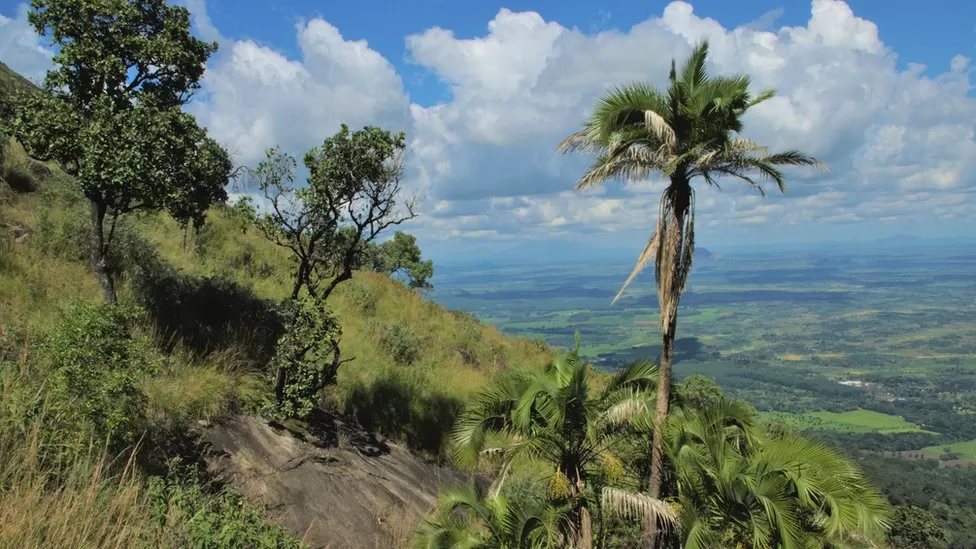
<point x="352" y="196"/>
<point x="306" y="358"/>
<point x="915" y="528"/>
<point x="687" y="131"/>
<point x="111" y="112"/>
<point x="401" y="255"/>
<point x="469" y="518"/>
<point x="557" y="417"/>
<point x="210" y="168"/>
<point x="699" y="391"/>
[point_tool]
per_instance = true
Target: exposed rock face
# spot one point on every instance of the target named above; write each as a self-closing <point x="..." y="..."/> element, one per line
<point x="332" y="486"/>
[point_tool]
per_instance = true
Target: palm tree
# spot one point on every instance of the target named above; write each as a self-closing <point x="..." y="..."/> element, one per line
<point x="738" y="487"/>
<point x="689" y="130"/>
<point x="467" y="518"/>
<point x="555" y="417"/>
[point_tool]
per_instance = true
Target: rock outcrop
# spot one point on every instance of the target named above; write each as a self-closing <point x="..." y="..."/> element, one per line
<point x="333" y="486"/>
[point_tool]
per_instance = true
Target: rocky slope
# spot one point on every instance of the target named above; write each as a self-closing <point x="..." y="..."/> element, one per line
<point x="333" y="486"/>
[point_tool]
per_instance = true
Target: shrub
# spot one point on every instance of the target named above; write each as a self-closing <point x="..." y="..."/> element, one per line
<point x="399" y="343"/>
<point x="94" y="362"/>
<point x="186" y="516"/>
<point x="62" y="233"/>
<point x="306" y="358"/>
<point x="361" y="297"/>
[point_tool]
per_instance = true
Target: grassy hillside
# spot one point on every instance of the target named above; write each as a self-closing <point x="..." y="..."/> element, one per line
<point x="416" y="349"/>
<point x="98" y="405"/>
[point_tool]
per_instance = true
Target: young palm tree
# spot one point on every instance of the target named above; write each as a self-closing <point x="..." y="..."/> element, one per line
<point x="737" y="487"/>
<point x="689" y="130"/>
<point x="467" y="518"/>
<point x="557" y="418"/>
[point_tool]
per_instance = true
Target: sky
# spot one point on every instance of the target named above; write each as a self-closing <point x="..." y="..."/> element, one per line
<point x="881" y="91"/>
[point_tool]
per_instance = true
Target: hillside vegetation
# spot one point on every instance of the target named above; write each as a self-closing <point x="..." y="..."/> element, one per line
<point x="202" y="308"/>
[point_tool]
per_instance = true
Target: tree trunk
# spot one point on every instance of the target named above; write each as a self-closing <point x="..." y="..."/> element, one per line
<point x="99" y="252"/>
<point x="586" y="529"/>
<point x="661" y="415"/>
<point x="301" y="275"/>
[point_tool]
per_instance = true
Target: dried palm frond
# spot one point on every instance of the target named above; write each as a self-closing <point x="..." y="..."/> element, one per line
<point x="654" y="512"/>
<point x="650" y="251"/>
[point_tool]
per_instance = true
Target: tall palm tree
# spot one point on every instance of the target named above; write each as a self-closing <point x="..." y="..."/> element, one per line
<point x="737" y="486"/>
<point x="689" y="130"/>
<point x="557" y="418"/>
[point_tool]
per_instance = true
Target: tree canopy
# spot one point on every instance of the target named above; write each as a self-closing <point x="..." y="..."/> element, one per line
<point x="110" y="114"/>
<point x="353" y="194"/>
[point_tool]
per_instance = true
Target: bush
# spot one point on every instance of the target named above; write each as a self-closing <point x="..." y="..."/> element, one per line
<point x="362" y="298"/>
<point x="306" y="358"/>
<point x="91" y="385"/>
<point x="399" y="343"/>
<point x="186" y="516"/>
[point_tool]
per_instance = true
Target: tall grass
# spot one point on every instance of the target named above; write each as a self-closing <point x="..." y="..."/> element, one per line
<point x="90" y="501"/>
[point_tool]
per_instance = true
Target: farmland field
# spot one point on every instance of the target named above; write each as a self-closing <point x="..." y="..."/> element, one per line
<point x="889" y="332"/>
<point x="852" y="421"/>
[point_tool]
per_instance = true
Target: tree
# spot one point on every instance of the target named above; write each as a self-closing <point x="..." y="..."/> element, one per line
<point x="737" y="487"/>
<point x="556" y="417"/>
<point x="469" y="518"/>
<point x="699" y="391"/>
<point x="111" y="112"/>
<point x="352" y="196"/>
<point x="688" y="131"/>
<point x="209" y="169"/>
<point x="915" y="528"/>
<point x="401" y="256"/>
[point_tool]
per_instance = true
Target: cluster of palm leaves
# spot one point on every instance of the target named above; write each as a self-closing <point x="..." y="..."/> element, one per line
<point x="583" y="441"/>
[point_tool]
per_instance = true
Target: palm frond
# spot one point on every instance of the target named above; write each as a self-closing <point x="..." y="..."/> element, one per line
<point x="654" y="512"/>
<point x="649" y="252"/>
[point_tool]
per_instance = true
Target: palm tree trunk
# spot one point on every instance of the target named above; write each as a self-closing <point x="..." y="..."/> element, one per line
<point x="661" y="415"/>
<point x="586" y="529"/>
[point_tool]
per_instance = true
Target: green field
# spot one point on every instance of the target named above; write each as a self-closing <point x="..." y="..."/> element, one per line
<point x="966" y="450"/>
<point x="854" y="421"/>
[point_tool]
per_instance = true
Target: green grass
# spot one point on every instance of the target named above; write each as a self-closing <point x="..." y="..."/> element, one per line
<point x="853" y="421"/>
<point x="966" y="450"/>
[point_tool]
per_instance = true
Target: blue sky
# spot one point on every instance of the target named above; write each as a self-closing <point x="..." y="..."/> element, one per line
<point x="882" y="91"/>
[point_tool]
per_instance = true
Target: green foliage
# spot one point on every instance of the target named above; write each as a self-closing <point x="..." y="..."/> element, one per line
<point x="94" y="362"/>
<point x="915" y="528"/>
<point x="117" y="125"/>
<point x="306" y="358"/>
<point x="362" y="298"/>
<point x="185" y="515"/>
<point x="735" y="485"/>
<point x="698" y="391"/>
<point x="469" y="518"/>
<point x="244" y="212"/>
<point x="558" y="417"/>
<point x="401" y="256"/>
<point x="398" y="342"/>
<point x="351" y="197"/>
